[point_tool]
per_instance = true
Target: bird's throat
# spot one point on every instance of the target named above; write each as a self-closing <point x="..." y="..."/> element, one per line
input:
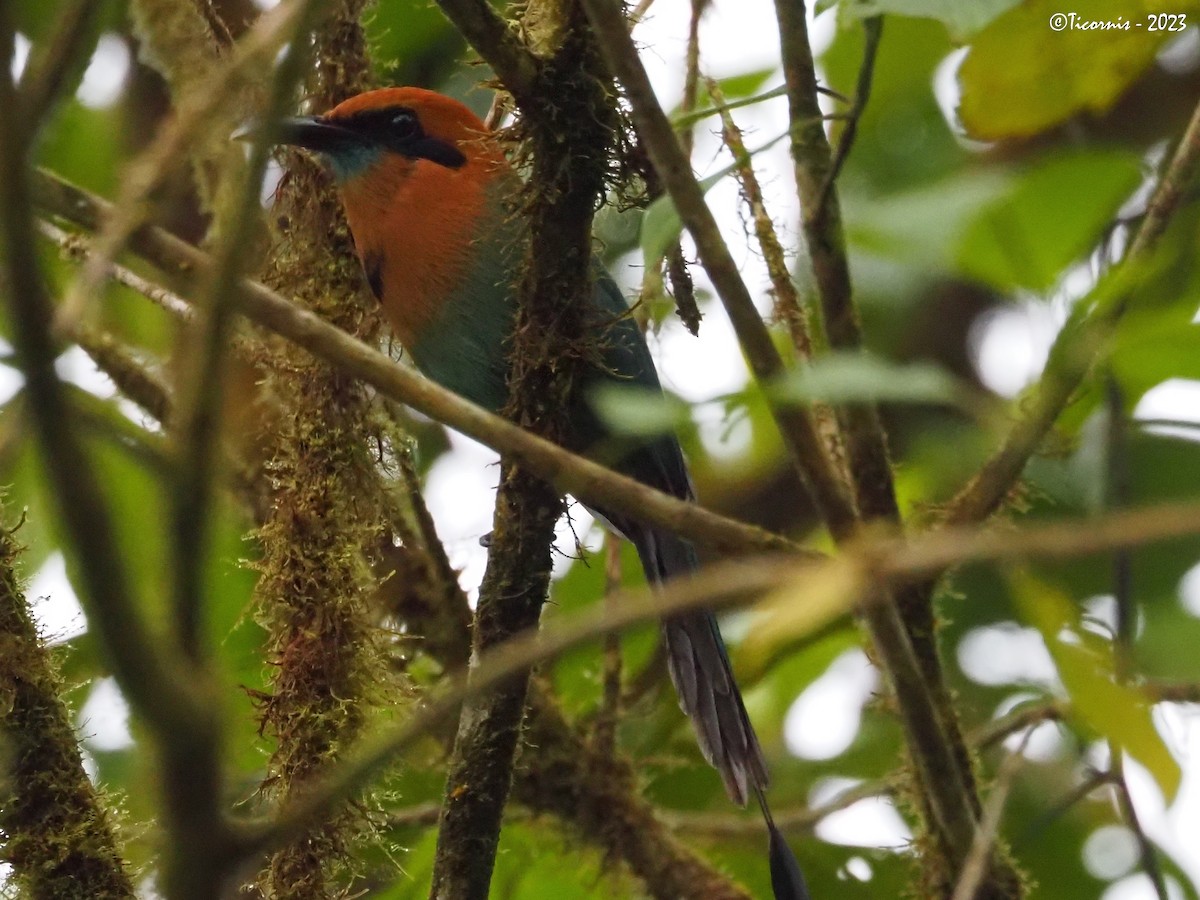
<point x="354" y="162"/>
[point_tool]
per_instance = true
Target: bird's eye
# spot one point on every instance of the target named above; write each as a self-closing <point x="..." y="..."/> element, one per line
<point x="404" y="124"/>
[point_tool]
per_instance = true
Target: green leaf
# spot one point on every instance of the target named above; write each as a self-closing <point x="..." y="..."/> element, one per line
<point x="961" y="18"/>
<point x="863" y="378"/>
<point x="1053" y="216"/>
<point x="742" y="85"/>
<point x="732" y="101"/>
<point x="637" y="411"/>
<point x="1153" y="353"/>
<point x="1117" y="711"/>
<point x="920" y="227"/>
<point x="661" y="225"/>
<point x="1022" y="77"/>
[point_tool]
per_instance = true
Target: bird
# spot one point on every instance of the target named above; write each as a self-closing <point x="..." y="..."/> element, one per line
<point x="427" y="194"/>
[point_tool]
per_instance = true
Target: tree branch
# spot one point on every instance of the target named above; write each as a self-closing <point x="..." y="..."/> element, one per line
<point x="58" y="837"/>
<point x="727" y="583"/>
<point x="946" y="784"/>
<point x="159" y="690"/>
<point x="172" y="696"/>
<point x="497" y="42"/>
<point x="580" y="477"/>
<point x="60" y="64"/>
<point x="674" y="168"/>
<point x="179" y="139"/>
<point x="1076" y="348"/>
<point x="201" y="394"/>
<point x="586" y="784"/>
<point x="570" y="139"/>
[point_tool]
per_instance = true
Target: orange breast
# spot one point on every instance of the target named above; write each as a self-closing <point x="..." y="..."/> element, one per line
<point x="414" y="221"/>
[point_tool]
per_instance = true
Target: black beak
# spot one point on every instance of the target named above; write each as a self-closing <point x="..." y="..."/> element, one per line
<point x="316" y="133"/>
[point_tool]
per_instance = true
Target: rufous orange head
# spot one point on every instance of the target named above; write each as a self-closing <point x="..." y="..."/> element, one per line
<point x="402" y="126"/>
<point x="417" y="173"/>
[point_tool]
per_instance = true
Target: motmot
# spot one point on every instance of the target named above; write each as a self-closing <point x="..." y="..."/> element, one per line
<point x="427" y="192"/>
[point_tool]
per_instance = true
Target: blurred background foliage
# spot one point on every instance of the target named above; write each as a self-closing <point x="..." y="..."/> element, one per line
<point x="996" y="170"/>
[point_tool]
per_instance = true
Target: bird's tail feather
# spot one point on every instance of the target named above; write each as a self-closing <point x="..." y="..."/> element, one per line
<point x="702" y="675"/>
<point x="787" y="881"/>
<point x="709" y="695"/>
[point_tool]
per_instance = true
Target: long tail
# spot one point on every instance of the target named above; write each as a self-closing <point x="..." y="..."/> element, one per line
<point x="709" y="695"/>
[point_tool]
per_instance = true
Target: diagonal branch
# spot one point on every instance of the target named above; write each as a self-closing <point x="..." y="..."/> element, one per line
<point x="171" y="147"/>
<point x="658" y="136"/>
<point x="716" y="587"/>
<point x="580" y="477"/>
<point x="946" y="783"/>
<point x="58" y="67"/>
<point x="497" y="42"/>
<point x="159" y="690"/>
<point x="1076" y="348"/>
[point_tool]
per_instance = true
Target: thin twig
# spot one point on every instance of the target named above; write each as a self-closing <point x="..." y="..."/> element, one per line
<point x="987" y="735"/>
<point x="658" y="136"/>
<point x="169" y="151"/>
<point x="1093" y="780"/>
<point x="1118" y="494"/>
<point x="61" y="62"/>
<point x="682" y="287"/>
<point x="76" y="248"/>
<point x="975" y="866"/>
<point x="1147" y="853"/>
<point x="788" y="308"/>
<point x="872" y="31"/>
<point x="604" y="729"/>
<point x="1075" y="348"/>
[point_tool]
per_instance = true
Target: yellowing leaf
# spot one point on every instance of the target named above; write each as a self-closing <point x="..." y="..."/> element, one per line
<point x="1022" y="76"/>
<point x="1117" y="711"/>
<point x="961" y="18"/>
<point x="799" y="609"/>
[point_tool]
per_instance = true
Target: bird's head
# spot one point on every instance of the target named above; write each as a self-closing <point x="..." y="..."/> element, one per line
<point x="403" y="125"/>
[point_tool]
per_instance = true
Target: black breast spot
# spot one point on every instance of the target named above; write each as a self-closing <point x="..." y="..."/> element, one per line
<point x="373" y="267"/>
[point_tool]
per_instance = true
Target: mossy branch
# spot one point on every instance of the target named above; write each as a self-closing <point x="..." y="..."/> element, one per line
<point x="57" y="835"/>
<point x="571" y="126"/>
<point x="499" y="45"/>
<point x="325" y="515"/>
